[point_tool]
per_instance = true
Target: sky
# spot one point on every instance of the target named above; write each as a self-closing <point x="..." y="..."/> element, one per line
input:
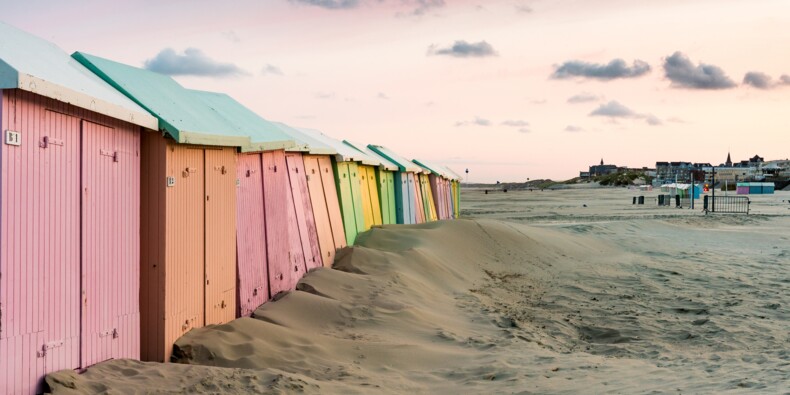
<point x="510" y="90"/>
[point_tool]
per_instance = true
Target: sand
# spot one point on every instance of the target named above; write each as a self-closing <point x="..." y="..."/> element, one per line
<point x="532" y="293"/>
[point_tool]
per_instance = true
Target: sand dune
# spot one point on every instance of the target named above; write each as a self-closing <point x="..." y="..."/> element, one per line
<point x="615" y="299"/>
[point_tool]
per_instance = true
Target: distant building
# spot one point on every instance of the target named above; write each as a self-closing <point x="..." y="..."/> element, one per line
<point x="602" y="169"/>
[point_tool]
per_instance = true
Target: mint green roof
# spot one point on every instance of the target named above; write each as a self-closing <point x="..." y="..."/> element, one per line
<point x="453" y="175"/>
<point x="381" y="161"/>
<point x="264" y="135"/>
<point x="404" y="164"/>
<point x="182" y="115"/>
<point x="433" y="168"/>
<point x="35" y="65"/>
<point x="345" y="153"/>
<point x="307" y="142"/>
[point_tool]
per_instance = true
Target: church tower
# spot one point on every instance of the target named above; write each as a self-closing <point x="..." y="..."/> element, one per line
<point x="728" y="163"/>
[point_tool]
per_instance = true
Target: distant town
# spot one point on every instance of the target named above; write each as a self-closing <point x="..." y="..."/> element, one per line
<point x="754" y="169"/>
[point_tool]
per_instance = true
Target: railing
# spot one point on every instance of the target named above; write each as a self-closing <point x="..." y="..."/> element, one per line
<point x="726" y="204"/>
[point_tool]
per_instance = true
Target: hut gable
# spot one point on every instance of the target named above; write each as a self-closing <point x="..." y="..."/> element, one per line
<point x="35" y="65"/>
<point x="404" y="164"/>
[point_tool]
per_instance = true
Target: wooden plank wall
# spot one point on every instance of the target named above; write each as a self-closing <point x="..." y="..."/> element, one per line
<point x="252" y="262"/>
<point x="42" y="240"/>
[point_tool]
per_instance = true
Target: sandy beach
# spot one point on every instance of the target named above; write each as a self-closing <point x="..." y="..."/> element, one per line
<point x="564" y="291"/>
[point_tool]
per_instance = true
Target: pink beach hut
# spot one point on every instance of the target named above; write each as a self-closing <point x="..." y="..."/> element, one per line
<point x="69" y="218"/>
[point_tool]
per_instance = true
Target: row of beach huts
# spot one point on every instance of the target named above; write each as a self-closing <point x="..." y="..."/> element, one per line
<point x="133" y="209"/>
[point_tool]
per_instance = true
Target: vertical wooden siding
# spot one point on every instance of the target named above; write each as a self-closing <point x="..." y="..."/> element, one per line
<point x="305" y="218"/>
<point x="419" y="207"/>
<point x="386" y="204"/>
<point x="404" y="202"/>
<point x="427" y="191"/>
<point x="184" y="265"/>
<point x="438" y="196"/>
<point x="390" y="176"/>
<point x="275" y="201"/>
<point x="252" y="261"/>
<point x="344" y="193"/>
<point x="110" y="240"/>
<point x="323" y="225"/>
<point x="220" y="235"/>
<point x="41" y="240"/>
<point x="154" y="171"/>
<point x="370" y="191"/>
<point x="332" y="201"/>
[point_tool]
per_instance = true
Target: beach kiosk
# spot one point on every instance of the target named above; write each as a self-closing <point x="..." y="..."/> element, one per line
<point x="70" y="215"/>
<point x="265" y="266"/>
<point x="310" y="173"/>
<point x="385" y="182"/>
<point x="188" y="222"/>
<point x="439" y="182"/>
<point x="406" y="196"/>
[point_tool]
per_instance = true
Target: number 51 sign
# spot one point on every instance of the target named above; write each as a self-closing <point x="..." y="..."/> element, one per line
<point x="13" y="138"/>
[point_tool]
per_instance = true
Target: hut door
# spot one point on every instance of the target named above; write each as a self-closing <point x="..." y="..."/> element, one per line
<point x="110" y="224"/>
<point x="303" y="209"/>
<point x="320" y="209"/>
<point x="251" y="236"/>
<point x="275" y="200"/>
<point x="220" y="231"/>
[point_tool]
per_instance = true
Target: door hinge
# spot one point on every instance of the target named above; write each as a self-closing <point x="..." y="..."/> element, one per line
<point x="48" y="346"/>
<point x="46" y="141"/>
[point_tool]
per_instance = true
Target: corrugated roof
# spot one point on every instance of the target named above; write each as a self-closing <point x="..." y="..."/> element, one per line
<point x="454" y="175"/>
<point x="307" y="143"/>
<point x="403" y="163"/>
<point x="35" y="65"/>
<point x="345" y="153"/>
<point x="181" y="114"/>
<point x="380" y="160"/>
<point x="264" y="135"/>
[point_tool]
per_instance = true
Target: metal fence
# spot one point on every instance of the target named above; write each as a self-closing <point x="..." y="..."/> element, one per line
<point x="726" y="204"/>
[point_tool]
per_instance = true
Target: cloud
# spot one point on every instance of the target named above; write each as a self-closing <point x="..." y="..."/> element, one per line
<point x="515" y="123"/>
<point x="424" y="6"/>
<point x="383" y="96"/>
<point x="760" y="80"/>
<point x="614" y="109"/>
<point x="615" y="69"/>
<point x="477" y="121"/>
<point x="271" y="69"/>
<point x="523" y="9"/>
<point x="683" y="74"/>
<point x="325" y="95"/>
<point x="524" y="130"/>
<point x="192" y="62"/>
<point x="329" y="4"/>
<point x="231" y="35"/>
<point x="463" y="49"/>
<point x="583" y="97"/>
<point x="573" y="129"/>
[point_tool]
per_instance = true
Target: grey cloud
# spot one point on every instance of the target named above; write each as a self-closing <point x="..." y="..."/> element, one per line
<point x="477" y="121"/>
<point x="383" y="96"/>
<point x="617" y="68"/>
<point x="463" y="49"/>
<point x="515" y="123"/>
<point x="573" y="129"/>
<point x="231" y="36"/>
<point x="329" y="4"/>
<point x="192" y="62"/>
<point x="614" y="109"/>
<point x="523" y="9"/>
<point x="653" y="120"/>
<point x="583" y="97"/>
<point x="424" y="6"/>
<point x="524" y="130"/>
<point x="271" y="69"/>
<point x="764" y="81"/>
<point x="683" y="74"/>
<point x="325" y="95"/>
